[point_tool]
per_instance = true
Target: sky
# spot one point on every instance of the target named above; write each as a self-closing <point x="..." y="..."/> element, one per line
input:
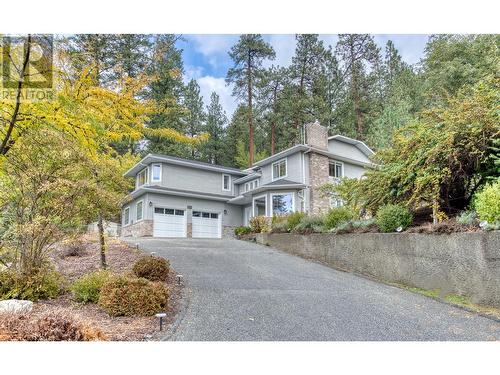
<point x="206" y="58"/>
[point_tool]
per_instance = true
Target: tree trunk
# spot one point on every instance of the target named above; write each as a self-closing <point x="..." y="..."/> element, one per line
<point x="357" y="105"/>
<point x="250" y="113"/>
<point x="7" y="141"/>
<point x="102" y="242"/>
<point x="273" y="137"/>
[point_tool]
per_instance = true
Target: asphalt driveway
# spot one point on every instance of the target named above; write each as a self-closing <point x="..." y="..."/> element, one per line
<point x="238" y="290"/>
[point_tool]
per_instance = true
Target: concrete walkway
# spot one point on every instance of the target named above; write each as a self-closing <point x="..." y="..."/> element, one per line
<point x="243" y="291"/>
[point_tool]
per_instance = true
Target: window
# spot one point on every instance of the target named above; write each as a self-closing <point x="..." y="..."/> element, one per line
<point x="142" y="177"/>
<point x="282" y="203"/>
<point x="156" y="173"/>
<point x="169" y="211"/>
<point x="205" y="214"/>
<point x="214" y="216"/>
<point x="179" y="212"/>
<point x="226" y="182"/>
<point x="336" y="169"/>
<point x="196" y="214"/>
<point x="126" y="216"/>
<point x="279" y="169"/>
<point x="138" y="214"/>
<point x="159" y="210"/>
<point x="336" y="202"/>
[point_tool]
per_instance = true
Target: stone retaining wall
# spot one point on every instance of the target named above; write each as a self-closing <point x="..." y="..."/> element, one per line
<point x="143" y="228"/>
<point x="461" y="263"/>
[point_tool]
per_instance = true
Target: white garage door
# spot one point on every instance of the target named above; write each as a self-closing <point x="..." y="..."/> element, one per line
<point x="169" y="222"/>
<point x="206" y="225"/>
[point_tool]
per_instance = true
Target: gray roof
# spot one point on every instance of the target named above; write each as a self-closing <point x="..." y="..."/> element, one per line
<point x="282" y="182"/>
<point x="152" y="158"/>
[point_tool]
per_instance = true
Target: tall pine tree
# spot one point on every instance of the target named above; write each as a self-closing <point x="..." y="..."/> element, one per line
<point x="248" y="55"/>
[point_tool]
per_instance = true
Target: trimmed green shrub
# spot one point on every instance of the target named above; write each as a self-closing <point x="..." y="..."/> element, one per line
<point x="294" y="219"/>
<point x="239" y="231"/>
<point x="125" y="296"/>
<point x="467" y="218"/>
<point x="87" y="288"/>
<point x="152" y="268"/>
<point x="310" y="224"/>
<point x="259" y="224"/>
<point x="392" y="216"/>
<point x="43" y="284"/>
<point x="487" y="202"/>
<point x="337" y="216"/>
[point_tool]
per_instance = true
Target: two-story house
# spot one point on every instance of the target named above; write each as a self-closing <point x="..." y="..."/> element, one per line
<point x="176" y="197"/>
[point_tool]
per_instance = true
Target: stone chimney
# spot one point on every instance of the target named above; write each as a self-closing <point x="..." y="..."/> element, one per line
<point x="317" y="137"/>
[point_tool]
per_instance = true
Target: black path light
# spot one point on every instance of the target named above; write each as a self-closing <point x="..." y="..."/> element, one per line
<point x="179" y="279"/>
<point x="161" y="316"/>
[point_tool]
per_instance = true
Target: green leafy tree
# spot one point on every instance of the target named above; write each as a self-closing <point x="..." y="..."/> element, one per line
<point x="248" y="55"/>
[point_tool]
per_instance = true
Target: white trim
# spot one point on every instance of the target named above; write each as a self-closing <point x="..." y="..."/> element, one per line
<point x="286" y="169"/>
<point x="128" y="216"/>
<point x="364" y="148"/>
<point x="280" y="155"/>
<point x="152" y="171"/>
<point x="142" y="209"/>
<point x="265" y="204"/>
<point x="229" y="182"/>
<point x="180" y="194"/>
<point x="333" y="161"/>
<point x="282" y="193"/>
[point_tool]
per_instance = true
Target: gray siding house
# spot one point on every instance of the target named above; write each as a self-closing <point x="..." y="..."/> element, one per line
<point x="176" y="197"/>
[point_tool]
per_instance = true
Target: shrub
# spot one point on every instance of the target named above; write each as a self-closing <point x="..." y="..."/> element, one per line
<point x="259" y="224"/>
<point x="152" y="268"/>
<point x="51" y="326"/>
<point x="392" y="216"/>
<point x="242" y="230"/>
<point x="41" y="285"/>
<point x="280" y="226"/>
<point x="467" y="218"/>
<point x="310" y="224"/>
<point x="74" y="248"/>
<point x="294" y="219"/>
<point x="125" y="296"/>
<point x="337" y="216"/>
<point x="87" y="288"/>
<point x="487" y="202"/>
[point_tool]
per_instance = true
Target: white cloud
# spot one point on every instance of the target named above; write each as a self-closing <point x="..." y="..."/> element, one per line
<point x="214" y="47"/>
<point x="208" y="84"/>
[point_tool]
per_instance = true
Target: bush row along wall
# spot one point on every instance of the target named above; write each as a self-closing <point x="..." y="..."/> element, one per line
<point x="460" y="263"/>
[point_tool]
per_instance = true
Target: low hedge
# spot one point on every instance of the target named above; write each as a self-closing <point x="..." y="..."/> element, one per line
<point x="43" y="284"/>
<point x="337" y="216"/>
<point x="392" y="216"/>
<point x="152" y="268"/>
<point x="239" y="231"/>
<point x="130" y="296"/>
<point x="87" y="288"/>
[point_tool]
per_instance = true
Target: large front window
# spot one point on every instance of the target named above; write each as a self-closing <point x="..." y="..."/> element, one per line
<point x="142" y="177"/>
<point x="282" y="203"/>
<point x="279" y="169"/>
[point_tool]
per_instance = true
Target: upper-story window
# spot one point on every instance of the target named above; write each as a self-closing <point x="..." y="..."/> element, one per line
<point x="142" y="177"/>
<point x="251" y="185"/>
<point x="156" y="173"/>
<point x="279" y="169"/>
<point x="336" y="169"/>
<point x="226" y="182"/>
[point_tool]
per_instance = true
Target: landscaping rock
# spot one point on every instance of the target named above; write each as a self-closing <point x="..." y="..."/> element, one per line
<point x="15" y="306"/>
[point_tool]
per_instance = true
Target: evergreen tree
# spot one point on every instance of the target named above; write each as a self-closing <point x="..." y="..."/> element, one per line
<point x="194" y="119"/>
<point x="132" y="53"/>
<point x="357" y="52"/>
<point x="213" y="149"/>
<point x="306" y="69"/>
<point x="248" y="55"/>
<point x="166" y="92"/>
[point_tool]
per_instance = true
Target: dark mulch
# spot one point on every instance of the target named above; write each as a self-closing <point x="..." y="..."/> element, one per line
<point x="120" y="258"/>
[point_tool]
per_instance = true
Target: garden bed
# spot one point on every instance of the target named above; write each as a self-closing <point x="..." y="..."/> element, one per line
<point x="120" y="258"/>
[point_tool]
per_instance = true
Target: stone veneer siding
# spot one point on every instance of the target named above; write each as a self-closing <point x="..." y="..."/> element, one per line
<point x="143" y="228"/>
<point x="318" y="176"/>
<point x="317" y="135"/>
